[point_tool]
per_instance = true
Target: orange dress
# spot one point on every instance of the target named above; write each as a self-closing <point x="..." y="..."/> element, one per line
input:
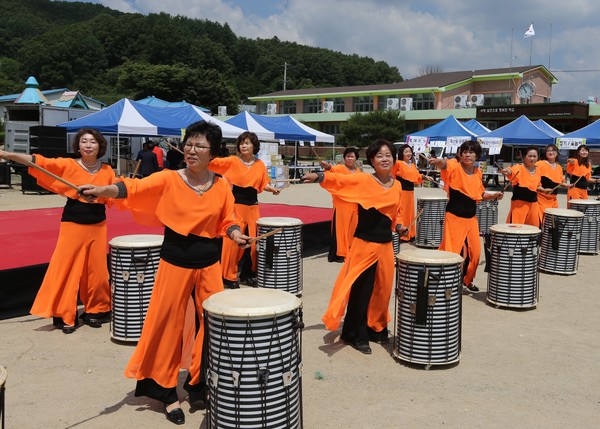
<point x="79" y="259"/>
<point x="524" y="205"/>
<point x="344" y="219"/>
<point x="461" y="230"/>
<point x="579" y="191"/>
<point x="364" y="190"/>
<point x="408" y="175"/>
<point x="247" y="182"/>
<point x="552" y="176"/>
<point x="165" y="199"/>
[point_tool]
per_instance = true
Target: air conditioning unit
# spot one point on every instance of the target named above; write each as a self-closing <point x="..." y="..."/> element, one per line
<point x="406" y="103"/>
<point x="222" y="110"/>
<point x="461" y="101"/>
<point x="393" y="104"/>
<point x="271" y="109"/>
<point x="477" y="100"/>
<point x="327" y="106"/>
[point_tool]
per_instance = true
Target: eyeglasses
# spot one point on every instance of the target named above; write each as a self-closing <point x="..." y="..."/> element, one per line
<point x="198" y="147"/>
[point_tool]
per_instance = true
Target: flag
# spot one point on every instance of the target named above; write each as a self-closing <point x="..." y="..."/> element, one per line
<point x="530" y="32"/>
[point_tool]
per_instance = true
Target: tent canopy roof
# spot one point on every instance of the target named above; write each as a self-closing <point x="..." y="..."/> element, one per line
<point x="521" y="131"/>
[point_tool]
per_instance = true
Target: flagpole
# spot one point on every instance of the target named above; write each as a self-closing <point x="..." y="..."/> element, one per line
<point x="530" y="46"/>
<point x="550" y="48"/>
<point x="510" y="82"/>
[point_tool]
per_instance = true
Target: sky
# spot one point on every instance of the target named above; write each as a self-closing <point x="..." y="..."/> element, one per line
<point x="413" y="35"/>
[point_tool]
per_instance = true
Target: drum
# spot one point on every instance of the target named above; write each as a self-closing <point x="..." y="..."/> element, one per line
<point x="590" y="231"/>
<point x="430" y="225"/>
<point x="3" y="376"/>
<point x="428" y="309"/>
<point x="279" y="257"/>
<point x="254" y="362"/>
<point x="133" y="264"/>
<point x="396" y="243"/>
<point x="561" y="236"/>
<point x="487" y="215"/>
<point x="513" y="278"/>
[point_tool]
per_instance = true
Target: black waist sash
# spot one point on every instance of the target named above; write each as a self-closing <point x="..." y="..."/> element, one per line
<point x="189" y="251"/>
<point x="521" y="193"/>
<point x="461" y="205"/>
<point x="373" y="226"/>
<point x="83" y="213"/>
<point x="549" y="184"/>
<point x="247" y="196"/>
<point x="407" y="185"/>
<point x="581" y="183"/>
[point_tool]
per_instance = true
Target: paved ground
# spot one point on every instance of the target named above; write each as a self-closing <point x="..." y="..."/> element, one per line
<point x="518" y="368"/>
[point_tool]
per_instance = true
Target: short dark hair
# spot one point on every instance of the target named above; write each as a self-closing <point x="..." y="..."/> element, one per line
<point x="376" y="146"/>
<point x="527" y="149"/>
<point x="471" y="145"/>
<point x="210" y="130"/>
<point x="552" y="146"/>
<point x="403" y="147"/>
<point x="97" y="136"/>
<point x="253" y="139"/>
<point x="350" y="150"/>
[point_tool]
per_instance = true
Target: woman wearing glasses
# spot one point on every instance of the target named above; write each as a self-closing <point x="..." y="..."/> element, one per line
<point x="552" y="178"/>
<point x="248" y="176"/>
<point x="580" y="170"/>
<point x="195" y="206"/>
<point x="364" y="284"/>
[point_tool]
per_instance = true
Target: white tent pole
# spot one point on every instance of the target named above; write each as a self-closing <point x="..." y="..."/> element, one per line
<point x="118" y="155"/>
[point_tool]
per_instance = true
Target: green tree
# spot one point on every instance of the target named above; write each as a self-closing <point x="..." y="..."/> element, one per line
<point x="361" y="129"/>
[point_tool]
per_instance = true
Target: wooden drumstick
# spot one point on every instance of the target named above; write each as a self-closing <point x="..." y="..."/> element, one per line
<point x="580" y="177"/>
<point x="316" y="154"/>
<point x="414" y="220"/>
<point x="286" y="180"/>
<point x="268" y="234"/>
<point x="137" y="167"/>
<point x="510" y="181"/>
<point x="175" y="148"/>
<point x="54" y="176"/>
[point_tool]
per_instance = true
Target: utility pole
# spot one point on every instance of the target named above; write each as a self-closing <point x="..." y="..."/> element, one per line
<point x="284" y="74"/>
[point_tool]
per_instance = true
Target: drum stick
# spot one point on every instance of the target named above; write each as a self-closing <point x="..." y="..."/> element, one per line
<point x="414" y="220"/>
<point x="316" y="154"/>
<point x="175" y="148"/>
<point x="137" y="167"/>
<point x="60" y="179"/>
<point x="286" y="180"/>
<point x="268" y="234"/>
<point x="510" y="181"/>
<point x="580" y="177"/>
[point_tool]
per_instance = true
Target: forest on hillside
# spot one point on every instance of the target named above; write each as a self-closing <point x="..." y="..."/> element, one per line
<point x="108" y="55"/>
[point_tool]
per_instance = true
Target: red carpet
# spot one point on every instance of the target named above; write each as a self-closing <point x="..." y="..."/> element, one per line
<point x="28" y="237"/>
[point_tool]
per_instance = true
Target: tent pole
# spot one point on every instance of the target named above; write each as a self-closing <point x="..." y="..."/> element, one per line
<point x="118" y="155"/>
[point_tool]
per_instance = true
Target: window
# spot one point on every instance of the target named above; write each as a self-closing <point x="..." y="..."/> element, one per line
<point x="312" y="105"/>
<point x="501" y="99"/>
<point x="288" y="107"/>
<point x="362" y="104"/>
<point x="333" y="129"/>
<point x="424" y="101"/>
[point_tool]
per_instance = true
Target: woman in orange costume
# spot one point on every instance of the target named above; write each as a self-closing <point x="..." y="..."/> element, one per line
<point x="364" y="283"/>
<point x="195" y="206"/>
<point x="344" y="217"/>
<point x="580" y="170"/>
<point x="552" y="177"/>
<point x="526" y="179"/>
<point x="408" y="175"/>
<point x="464" y="184"/>
<point x="248" y="176"/>
<point x="79" y="259"/>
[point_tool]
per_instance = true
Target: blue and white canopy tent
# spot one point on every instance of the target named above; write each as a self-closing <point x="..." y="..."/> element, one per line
<point x="476" y="127"/>
<point x="157" y="102"/>
<point x="449" y="134"/>
<point x="129" y="118"/>
<point x="547" y="128"/>
<point x="588" y="135"/>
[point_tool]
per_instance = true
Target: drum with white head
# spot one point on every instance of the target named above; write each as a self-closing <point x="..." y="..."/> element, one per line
<point x="254" y="359"/>
<point x="561" y="237"/>
<point x="590" y="230"/>
<point x="430" y="225"/>
<point x="133" y="263"/>
<point x="487" y="215"/>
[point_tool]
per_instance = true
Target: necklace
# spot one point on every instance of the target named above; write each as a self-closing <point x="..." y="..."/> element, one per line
<point x="532" y="172"/>
<point x="90" y="168"/>
<point x="248" y="163"/>
<point x="385" y="185"/>
<point x="199" y="189"/>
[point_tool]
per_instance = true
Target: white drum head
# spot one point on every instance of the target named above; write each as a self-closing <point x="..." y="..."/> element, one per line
<point x="252" y="303"/>
<point x="564" y="212"/>
<point x="515" y="228"/>
<point x="137" y="241"/>
<point x="278" y="221"/>
<point x="429" y="256"/>
<point x="584" y="202"/>
<point x="432" y="197"/>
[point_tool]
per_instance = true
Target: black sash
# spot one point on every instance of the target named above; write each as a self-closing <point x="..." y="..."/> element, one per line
<point x="373" y="226"/>
<point x="246" y="196"/>
<point x="191" y="251"/>
<point x="521" y="193"/>
<point x="407" y="185"/>
<point x="460" y="205"/>
<point x="83" y="213"/>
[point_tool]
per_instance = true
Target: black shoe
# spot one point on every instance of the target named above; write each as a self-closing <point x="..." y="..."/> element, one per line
<point x="228" y="284"/>
<point x="339" y="259"/>
<point x="472" y="287"/>
<point x="66" y="329"/>
<point x="176" y="416"/>
<point x="57" y="322"/>
<point x="360" y="345"/>
<point x="95" y="320"/>
<point x="250" y="281"/>
<point x="379" y="339"/>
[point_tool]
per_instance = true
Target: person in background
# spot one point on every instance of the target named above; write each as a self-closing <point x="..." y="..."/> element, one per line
<point x="248" y="176"/>
<point x="78" y="267"/>
<point x="344" y="218"/>
<point x="526" y="179"/>
<point x="464" y="185"/>
<point x="148" y="161"/>
<point x="223" y="152"/>
<point x="159" y="155"/>
<point x="408" y="175"/>
<point x="364" y="284"/>
<point x="552" y="178"/>
<point x="195" y="206"/>
<point x="175" y="159"/>
<point x="580" y="170"/>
